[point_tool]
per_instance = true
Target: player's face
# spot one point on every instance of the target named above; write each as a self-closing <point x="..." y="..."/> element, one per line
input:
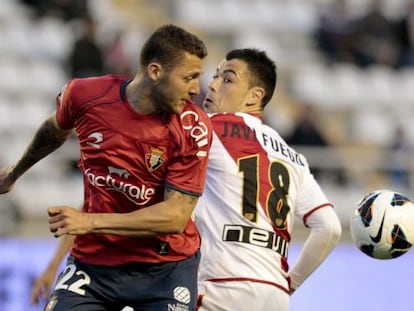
<point x="179" y="84"/>
<point x="229" y="91"/>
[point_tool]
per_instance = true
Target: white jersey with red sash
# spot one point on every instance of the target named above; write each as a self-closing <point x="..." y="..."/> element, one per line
<point x="255" y="186"/>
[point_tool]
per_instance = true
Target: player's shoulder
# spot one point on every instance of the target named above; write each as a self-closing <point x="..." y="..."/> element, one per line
<point x="274" y="141"/>
<point x="84" y="89"/>
<point x="235" y="117"/>
<point x="222" y="116"/>
<point x="100" y="81"/>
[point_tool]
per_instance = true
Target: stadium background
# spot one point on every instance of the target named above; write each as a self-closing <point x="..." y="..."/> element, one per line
<point x="358" y="108"/>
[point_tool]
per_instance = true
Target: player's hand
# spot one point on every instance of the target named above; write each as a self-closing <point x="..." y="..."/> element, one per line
<point x="6" y="179"/>
<point x="68" y="220"/>
<point x="41" y="287"/>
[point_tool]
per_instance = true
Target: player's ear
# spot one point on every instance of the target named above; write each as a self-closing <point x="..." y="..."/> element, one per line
<point x="256" y="95"/>
<point x="154" y="71"/>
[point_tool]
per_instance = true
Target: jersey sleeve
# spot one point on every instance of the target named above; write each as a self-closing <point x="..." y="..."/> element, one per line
<point x="310" y="196"/>
<point x="64" y="106"/>
<point x="187" y="170"/>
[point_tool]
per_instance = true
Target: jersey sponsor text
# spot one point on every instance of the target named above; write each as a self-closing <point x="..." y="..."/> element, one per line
<point x="198" y="130"/>
<point x="139" y="195"/>
<point x="255" y="236"/>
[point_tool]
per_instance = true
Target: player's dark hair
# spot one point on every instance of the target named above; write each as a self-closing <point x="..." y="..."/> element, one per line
<point x="261" y="68"/>
<point x="167" y="45"/>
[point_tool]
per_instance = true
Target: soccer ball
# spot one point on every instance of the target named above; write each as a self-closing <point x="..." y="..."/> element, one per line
<point x="382" y="225"/>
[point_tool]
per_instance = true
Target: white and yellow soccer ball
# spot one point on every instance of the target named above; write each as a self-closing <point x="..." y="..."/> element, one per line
<point x="382" y="225"/>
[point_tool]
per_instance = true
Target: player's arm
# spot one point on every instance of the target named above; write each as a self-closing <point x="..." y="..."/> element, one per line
<point x="43" y="284"/>
<point x="48" y="137"/>
<point x="168" y="217"/>
<point x="324" y="235"/>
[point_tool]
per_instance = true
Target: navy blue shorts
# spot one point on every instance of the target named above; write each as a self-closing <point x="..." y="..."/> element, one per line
<point x="142" y="286"/>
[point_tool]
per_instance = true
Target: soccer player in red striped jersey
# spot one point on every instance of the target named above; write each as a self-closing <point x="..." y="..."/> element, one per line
<point x="144" y="148"/>
<point x="256" y="184"/>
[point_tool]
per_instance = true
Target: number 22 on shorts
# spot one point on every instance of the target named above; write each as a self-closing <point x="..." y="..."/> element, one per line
<point x="75" y="286"/>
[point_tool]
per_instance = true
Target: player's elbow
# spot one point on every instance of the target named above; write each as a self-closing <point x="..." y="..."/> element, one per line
<point x="175" y="230"/>
<point x="335" y="230"/>
<point x="178" y="214"/>
<point x="326" y="224"/>
<point x="180" y="225"/>
<point x="176" y="224"/>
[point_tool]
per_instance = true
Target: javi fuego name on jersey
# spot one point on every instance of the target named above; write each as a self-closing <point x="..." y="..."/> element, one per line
<point x="240" y="131"/>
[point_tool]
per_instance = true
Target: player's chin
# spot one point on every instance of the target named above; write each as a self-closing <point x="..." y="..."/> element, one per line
<point x="179" y="107"/>
<point x="209" y="108"/>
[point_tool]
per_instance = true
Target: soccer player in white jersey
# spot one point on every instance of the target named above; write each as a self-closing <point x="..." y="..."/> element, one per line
<point x="255" y="186"/>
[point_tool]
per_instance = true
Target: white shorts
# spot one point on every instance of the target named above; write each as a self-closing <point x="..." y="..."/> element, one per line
<point x="242" y="296"/>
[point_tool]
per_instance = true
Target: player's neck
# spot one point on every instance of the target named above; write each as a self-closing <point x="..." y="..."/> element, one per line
<point x="138" y="94"/>
<point x="253" y="109"/>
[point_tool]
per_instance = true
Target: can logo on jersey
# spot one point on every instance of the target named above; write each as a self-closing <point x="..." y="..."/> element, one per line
<point x="154" y="159"/>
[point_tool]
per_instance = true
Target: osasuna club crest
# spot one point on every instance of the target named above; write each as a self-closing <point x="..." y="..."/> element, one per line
<point x="154" y="159"/>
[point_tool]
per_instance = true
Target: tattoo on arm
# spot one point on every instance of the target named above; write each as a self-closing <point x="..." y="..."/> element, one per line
<point x="47" y="139"/>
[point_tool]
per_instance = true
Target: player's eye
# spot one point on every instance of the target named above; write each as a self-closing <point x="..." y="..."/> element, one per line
<point x="190" y="78"/>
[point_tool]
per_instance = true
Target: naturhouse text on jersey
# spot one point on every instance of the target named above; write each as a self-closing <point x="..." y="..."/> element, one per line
<point x="116" y="177"/>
